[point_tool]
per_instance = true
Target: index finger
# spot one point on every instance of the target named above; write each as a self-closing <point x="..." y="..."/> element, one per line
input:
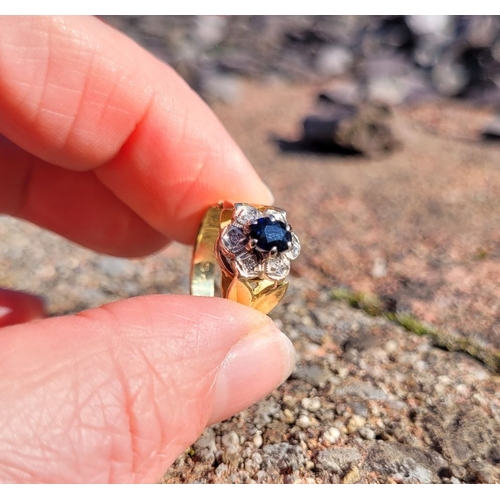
<point x="79" y="95"/>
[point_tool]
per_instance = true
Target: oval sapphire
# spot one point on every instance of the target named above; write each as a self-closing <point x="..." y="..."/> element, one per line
<point x="269" y="234"/>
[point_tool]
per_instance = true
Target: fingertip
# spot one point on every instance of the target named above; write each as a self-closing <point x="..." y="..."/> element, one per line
<point x="254" y="367"/>
<point x="137" y="382"/>
<point x="268" y="195"/>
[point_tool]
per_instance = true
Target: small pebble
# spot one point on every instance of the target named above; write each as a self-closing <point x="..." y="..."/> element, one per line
<point x="290" y="400"/>
<point x="231" y="441"/>
<point x="360" y="408"/>
<point x="353" y="476"/>
<point x="288" y="417"/>
<point x="257" y="440"/>
<point x="367" y="433"/>
<point x="332" y="435"/>
<point x="458" y="471"/>
<point x="257" y="458"/>
<point x="379" y="268"/>
<point x="307" y="321"/>
<point x="391" y="346"/>
<point x="221" y="470"/>
<point x="311" y="404"/>
<point x="303" y="422"/>
<point x="232" y="452"/>
<point x="261" y="477"/>
<point x="333" y="60"/>
<point x="355" y="422"/>
<point x="250" y="465"/>
<point x="479" y="400"/>
<point x="492" y="131"/>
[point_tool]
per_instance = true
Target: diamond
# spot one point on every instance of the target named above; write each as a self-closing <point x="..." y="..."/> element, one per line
<point x="278" y="267"/>
<point x="294" y="251"/>
<point x="245" y="213"/>
<point x="276" y="213"/>
<point x="248" y="265"/>
<point x="270" y="234"/>
<point x="233" y="239"/>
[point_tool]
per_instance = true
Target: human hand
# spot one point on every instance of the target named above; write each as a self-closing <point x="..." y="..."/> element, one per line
<point x="108" y="147"/>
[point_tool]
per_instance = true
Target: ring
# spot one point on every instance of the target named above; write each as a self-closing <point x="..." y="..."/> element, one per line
<point x="252" y="246"/>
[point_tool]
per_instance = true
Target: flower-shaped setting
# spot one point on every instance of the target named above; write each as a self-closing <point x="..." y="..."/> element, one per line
<point x="259" y="242"/>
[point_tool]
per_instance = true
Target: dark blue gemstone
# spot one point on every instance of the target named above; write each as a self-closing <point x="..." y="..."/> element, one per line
<point x="270" y="234"/>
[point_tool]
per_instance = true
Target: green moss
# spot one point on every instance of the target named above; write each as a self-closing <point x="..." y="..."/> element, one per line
<point x="373" y="305"/>
<point x="481" y="254"/>
<point x="411" y="323"/>
<point x="368" y="302"/>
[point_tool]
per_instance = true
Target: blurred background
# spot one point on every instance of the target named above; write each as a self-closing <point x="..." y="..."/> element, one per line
<point x="394" y="59"/>
<point x="380" y="136"/>
<point x="377" y="134"/>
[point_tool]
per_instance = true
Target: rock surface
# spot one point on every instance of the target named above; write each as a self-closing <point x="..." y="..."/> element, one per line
<point x="369" y="401"/>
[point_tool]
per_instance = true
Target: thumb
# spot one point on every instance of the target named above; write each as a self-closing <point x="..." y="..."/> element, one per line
<point x="115" y="394"/>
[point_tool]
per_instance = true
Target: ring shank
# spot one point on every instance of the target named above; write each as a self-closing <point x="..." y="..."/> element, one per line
<point x="204" y="264"/>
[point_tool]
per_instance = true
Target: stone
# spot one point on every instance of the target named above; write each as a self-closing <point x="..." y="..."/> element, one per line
<point x="210" y="30"/>
<point x="313" y="374"/>
<point x="427" y="52"/>
<point x="269" y="234"/>
<point x="303" y="422"/>
<point x="495" y="454"/>
<point x="332" y="435"/>
<point x="449" y="77"/>
<point x="232" y="448"/>
<point x="355" y="422"/>
<point x="367" y="433"/>
<point x="115" y="267"/>
<point x="338" y="459"/>
<point x="482" y="31"/>
<point x="359" y="408"/>
<point x="285" y="457"/>
<point x="364" y="130"/>
<point x="492" y="130"/>
<point x="352" y="477"/>
<point x="404" y="464"/>
<point x="311" y="404"/>
<point x="390" y="90"/>
<point x="346" y="93"/>
<point x="437" y="25"/>
<point x="363" y="390"/>
<point x="257" y="440"/>
<point x="205" y="448"/>
<point x="222" y="87"/>
<point x="333" y="60"/>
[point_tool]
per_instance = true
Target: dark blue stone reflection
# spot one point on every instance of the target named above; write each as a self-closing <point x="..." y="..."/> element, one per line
<point x="270" y="234"/>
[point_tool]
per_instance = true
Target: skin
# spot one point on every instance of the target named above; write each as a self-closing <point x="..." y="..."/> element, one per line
<point x="107" y="146"/>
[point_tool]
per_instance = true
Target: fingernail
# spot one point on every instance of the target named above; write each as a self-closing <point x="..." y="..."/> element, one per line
<point x="255" y="366"/>
<point x="19" y="307"/>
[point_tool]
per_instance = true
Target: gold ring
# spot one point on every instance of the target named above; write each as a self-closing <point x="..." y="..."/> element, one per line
<point x="252" y="246"/>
